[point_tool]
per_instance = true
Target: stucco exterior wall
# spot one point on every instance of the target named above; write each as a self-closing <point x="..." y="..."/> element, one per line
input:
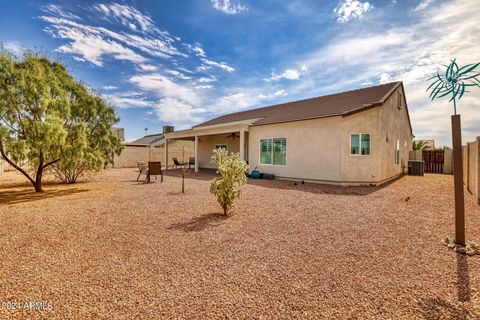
<point x="393" y="126"/>
<point x="207" y="144"/>
<point x="357" y="168"/>
<point x="312" y="149"/>
<point x="319" y="149"/>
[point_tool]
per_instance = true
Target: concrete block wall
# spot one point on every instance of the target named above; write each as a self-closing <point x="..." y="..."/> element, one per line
<point x="471" y="168"/>
<point x="447" y="159"/>
<point x="131" y="154"/>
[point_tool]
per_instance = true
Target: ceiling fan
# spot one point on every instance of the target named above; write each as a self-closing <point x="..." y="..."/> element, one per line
<point x="233" y="135"/>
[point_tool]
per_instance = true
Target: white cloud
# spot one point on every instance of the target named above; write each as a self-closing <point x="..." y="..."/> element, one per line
<point x="289" y="74"/>
<point x="409" y="53"/>
<point x="228" y="6"/>
<point x="206" y="80"/>
<point x="174" y="111"/>
<point x="351" y="9"/>
<point x="221" y="65"/>
<point x="13" y="47"/>
<point x="423" y="5"/>
<point x="196" y="49"/>
<point x="88" y="42"/>
<point x="163" y="87"/>
<point x="147" y="67"/>
<point x="109" y="87"/>
<point x="128" y="16"/>
<point x="58" y="11"/>
<point x="129" y="100"/>
<point x="242" y="99"/>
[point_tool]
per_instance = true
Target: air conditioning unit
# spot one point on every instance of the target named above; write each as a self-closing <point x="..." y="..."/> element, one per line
<point x="416" y="167"/>
<point x="168" y="129"/>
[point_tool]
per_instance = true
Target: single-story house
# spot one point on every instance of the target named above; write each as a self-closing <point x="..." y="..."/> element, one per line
<point x="151" y="148"/>
<point x="358" y="137"/>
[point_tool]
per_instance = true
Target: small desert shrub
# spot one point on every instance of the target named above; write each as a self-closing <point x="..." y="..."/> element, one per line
<point x="232" y="172"/>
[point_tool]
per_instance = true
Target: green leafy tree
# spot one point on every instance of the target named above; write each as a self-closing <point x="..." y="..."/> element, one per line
<point x="419" y="145"/>
<point x="232" y="172"/>
<point x="47" y="119"/>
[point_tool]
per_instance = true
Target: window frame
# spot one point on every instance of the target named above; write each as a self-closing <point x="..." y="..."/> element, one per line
<point x="397" y="151"/>
<point x="360" y="145"/>
<point x="399" y="100"/>
<point x="260" y="152"/>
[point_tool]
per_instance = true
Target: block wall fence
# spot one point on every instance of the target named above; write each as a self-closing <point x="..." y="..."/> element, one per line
<point x="471" y="168"/>
<point x="133" y="153"/>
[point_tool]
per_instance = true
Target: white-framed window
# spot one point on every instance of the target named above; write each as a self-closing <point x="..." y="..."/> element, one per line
<point x="273" y="151"/>
<point x="397" y="152"/>
<point x="360" y="144"/>
<point x="221" y="146"/>
<point x="399" y="100"/>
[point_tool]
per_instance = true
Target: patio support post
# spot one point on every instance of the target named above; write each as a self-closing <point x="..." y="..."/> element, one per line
<point x="242" y="144"/>
<point x="196" y="154"/>
<point x="166" y="153"/>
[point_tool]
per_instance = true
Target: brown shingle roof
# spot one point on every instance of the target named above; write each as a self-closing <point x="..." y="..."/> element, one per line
<point x="338" y="104"/>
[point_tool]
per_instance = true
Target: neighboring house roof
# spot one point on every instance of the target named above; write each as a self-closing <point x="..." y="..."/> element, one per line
<point x="338" y="104"/>
<point x="149" y="139"/>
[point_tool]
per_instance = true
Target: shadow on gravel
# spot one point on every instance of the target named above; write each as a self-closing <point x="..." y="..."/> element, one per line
<point x="463" y="278"/>
<point x="209" y="220"/>
<point x="17" y="195"/>
<point x="437" y="308"/>
<point x="317" y="188"/>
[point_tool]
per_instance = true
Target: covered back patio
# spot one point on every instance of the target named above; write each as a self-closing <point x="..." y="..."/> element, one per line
<point x="232" y="137"/>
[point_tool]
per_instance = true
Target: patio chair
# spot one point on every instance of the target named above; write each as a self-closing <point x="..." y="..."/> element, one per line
<point x="142" y="169"/>
<point x="191" y="161"/>
<point x="177" y="163"/>
<point x="154" y="169"/>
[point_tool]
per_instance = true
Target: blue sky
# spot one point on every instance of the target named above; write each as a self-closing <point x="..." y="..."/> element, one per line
<point x="183" y="62"/>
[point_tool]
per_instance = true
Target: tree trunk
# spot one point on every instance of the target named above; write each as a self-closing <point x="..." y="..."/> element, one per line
<point x="38" y="178"/>
<point x="38" y="185"/>
<point x="225" y="208"/>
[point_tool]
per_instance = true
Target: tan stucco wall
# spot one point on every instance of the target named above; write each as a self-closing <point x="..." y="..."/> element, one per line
<point x="393" y="122"/>
<point x="319" y="149"/>
<point x="415" y="155"/>
<point x="207" y="144"/>
<point x="471" y="167"/>
<point x="312" y="149"/>
<point x="361" y="169"/>
<point x="448" y="161"/>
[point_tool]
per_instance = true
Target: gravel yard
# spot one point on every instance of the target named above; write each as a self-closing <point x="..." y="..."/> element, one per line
<point x="112" y="248"/>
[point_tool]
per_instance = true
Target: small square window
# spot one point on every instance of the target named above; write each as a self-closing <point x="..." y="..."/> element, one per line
<point x="360" y="144"/>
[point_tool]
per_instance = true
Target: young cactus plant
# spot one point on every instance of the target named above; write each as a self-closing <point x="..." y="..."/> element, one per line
<point x="232" y="172"/>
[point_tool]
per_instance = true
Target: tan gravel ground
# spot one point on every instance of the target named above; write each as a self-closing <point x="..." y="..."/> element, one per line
<point x="115" y="249"/>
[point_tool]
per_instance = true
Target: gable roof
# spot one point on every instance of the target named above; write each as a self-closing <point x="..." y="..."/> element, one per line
<point x="338" y="104"/>
<point x="149" y="139"/>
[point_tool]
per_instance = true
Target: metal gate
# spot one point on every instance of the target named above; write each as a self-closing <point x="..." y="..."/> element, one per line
<point x="434" y="160"/>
